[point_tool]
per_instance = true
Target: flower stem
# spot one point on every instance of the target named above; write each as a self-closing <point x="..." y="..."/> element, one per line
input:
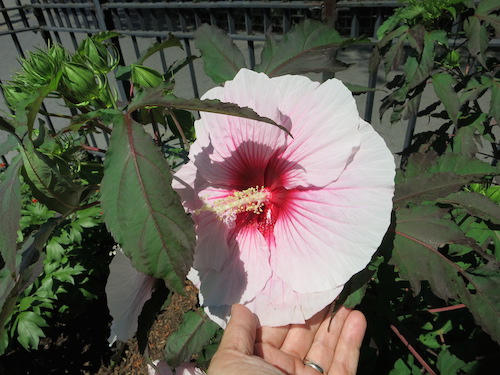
<point x="412" y="350"/>
<point x="179" y="129"/>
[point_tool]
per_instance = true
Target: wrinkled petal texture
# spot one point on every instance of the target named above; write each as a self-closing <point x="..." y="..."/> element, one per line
<point x="325" y="203"/>
<point x="127" y="290"/>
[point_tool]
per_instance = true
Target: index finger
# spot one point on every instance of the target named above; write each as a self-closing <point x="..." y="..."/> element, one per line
<point x="240" y="331"/>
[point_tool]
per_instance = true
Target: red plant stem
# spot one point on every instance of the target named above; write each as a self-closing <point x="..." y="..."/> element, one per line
<point x="412" y="350"/>
<point x="93" y="148"/>
<point x="447" y="308"/>
<point x="179" y="129"/>
<point x="88" y="205"/>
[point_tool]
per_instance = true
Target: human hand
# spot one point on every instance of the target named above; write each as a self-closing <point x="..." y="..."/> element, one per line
<point x="334" y="346"/>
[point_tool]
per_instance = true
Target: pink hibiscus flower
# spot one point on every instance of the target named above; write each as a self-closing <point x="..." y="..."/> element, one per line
<point x="283" y="223"/>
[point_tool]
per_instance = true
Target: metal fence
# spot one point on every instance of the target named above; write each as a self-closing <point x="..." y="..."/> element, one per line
<point x="69" y="21"/>
<point x="243" y="20"/>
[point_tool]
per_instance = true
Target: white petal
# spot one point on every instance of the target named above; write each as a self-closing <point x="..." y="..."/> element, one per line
<point x="279" y="305"/>
<point x="127" y="290"/>
<point x="327" y="235"/>
<point x="238" y="280"/>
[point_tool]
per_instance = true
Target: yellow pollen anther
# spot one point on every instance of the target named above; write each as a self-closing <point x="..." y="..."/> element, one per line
<point x="249" y="200"/>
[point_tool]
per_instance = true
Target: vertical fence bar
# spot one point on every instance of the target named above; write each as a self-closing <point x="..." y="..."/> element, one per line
<point x="267" y="21"/>
<point x="105" y="21"/>
<point x="101" y="19"/>
<point x="85" y="20"/>
<point x="183" y="24"/>
<point x="287" y="22"/>
<point x="213" y="19"/>
<point x="68" y="23"/>
<point x="231" y="29"/>
<point x="52" y="23"/>
<point x="329" y="17"/>
<point x="354" y="24"/>
<point x="40" y="19"/>
<point x="22" y="14"/>
<point x="372" y="75"/>
<point x="250" y="44"/>
<point x="10" y="26"/>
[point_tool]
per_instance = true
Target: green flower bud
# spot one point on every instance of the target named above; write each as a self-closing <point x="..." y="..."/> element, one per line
<point x="97" y="56"/>
<point x="58" y="54"/>
<point x="106" y="98"/>
<point x="452" y="58"/>
<point x="39" y="68"/>
<point x="16" y="93"/>
<point x="142" y="76"/>
<point x="78" y="84"/>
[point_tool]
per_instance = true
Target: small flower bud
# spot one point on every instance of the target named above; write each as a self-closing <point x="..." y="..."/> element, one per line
<point x="97" y="56"/>
<point x="142" y="76"/>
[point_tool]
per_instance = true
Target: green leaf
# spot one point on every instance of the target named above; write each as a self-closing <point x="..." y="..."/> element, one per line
<point x="421" y="232"/>
<point x="418" y="163"/>
<point x="191" y="337"/>
<point x="495" y="100"/>
<point x="141" y="209"/>
<point x="49" y="185"/>
<point x="463" y="165"/>
<point x="7" y="303"/>
<point x="143" y="76"/>
<point x="7" y="126"/>
<point x="444" y="85"/>
<point x="494" y="21"/>
<point x="475" y="204"/>
<point x="8" y="145"/>
<point x="10" y="214"/>
<point x="405" y="368"/>
<point x="477" y="38"/>
<point x="172" y="41"/>
<point x="308" y="47"/>
<point x="358" y="89"/>
<point x="123" y="73"/>
<point x="486" y="7"/>
<point x="28" y="329"/>
<point x="426" y="60"/>
<point x="450" y="364"/>
<point x="106" y="115"/>
<point x="466" y="140"/>
<point x="429" y="187"/>
<point x="354" y="290"/>
<point x="428" y="178"/>
<point x="156" y="97"/>
<point x="105" y="35"/>
<point x="30" y="265"/>
<point x="474" y="89"/>
<point x="221" y="58"/>
<point x="388" y="25"/>
<point x="270" y="47"/>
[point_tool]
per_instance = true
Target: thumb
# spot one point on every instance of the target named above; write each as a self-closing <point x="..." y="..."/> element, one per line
<point x="240" y="332"/>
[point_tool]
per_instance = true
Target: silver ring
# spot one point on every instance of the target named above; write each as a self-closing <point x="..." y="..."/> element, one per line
<point x="313" y="365"/>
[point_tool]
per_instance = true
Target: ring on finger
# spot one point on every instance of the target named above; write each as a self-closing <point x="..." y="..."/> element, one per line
<point x="313" y="365"/>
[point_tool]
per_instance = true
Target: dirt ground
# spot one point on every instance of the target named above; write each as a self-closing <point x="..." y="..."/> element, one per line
<point x="79" y="347"/>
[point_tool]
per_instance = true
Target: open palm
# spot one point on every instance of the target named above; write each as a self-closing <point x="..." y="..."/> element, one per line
<point x="333" y="344"/>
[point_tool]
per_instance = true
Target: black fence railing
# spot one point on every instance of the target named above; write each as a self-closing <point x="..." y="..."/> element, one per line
<point x="68" y="21"/>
